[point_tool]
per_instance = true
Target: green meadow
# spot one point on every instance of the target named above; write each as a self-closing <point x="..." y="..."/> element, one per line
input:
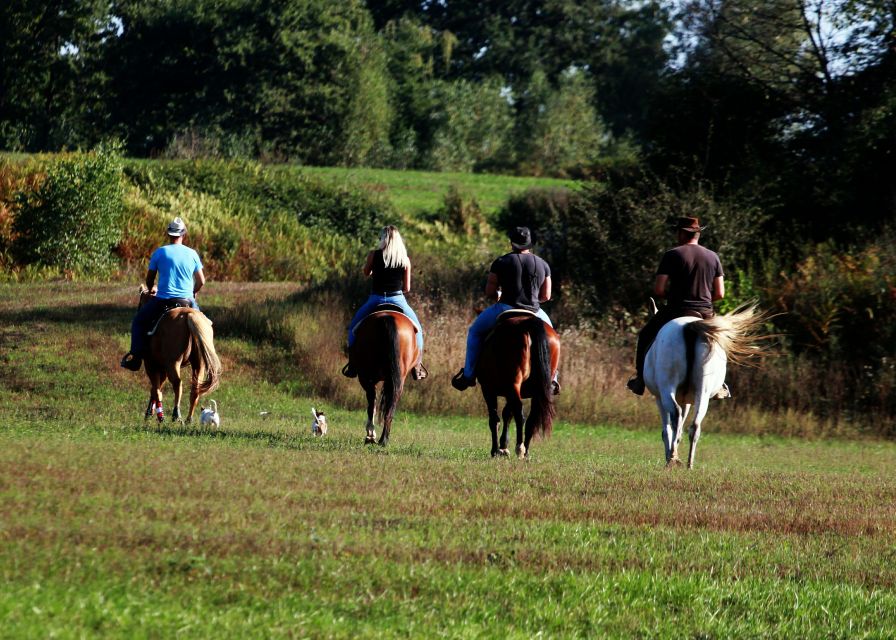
<point x="117" y="527"/>
<point x="415" y="192"/>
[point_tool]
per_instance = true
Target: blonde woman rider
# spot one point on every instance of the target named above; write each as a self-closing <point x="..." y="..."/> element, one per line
<point x="389" y="268"/>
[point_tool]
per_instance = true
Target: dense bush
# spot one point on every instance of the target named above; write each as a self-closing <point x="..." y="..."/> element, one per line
<point x="606" y="239"/>
<point x="264" y="193"/>
<point x="73" y="219"/>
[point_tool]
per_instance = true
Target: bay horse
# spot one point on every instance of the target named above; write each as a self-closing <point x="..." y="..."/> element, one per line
<point x="686" y="365"/>
<point x="385" y="350"/>
<point x="182" y="336"/>
<point x="518" y="361"/>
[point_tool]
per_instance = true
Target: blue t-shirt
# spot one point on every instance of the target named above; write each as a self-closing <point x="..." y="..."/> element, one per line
<point x="176" y="265"/>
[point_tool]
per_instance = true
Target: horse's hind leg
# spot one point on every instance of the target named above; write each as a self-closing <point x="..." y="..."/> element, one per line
<point x="174" y="378"/>
<point x="491" y="404"/>
<point x="702" y="404"/>
<point x="670" y="414"/>
<point x="515" y="406"/>
<point x="194" y="394"/>
<point x="506" y="415"/>
<point x="370" y="390"/>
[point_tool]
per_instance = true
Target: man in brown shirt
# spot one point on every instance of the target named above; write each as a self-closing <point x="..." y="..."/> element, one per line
<point x="690" y="278"/>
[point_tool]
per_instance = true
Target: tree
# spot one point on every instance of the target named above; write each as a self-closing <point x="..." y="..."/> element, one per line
<point x="301" y="79"/>
<point x="560" y="126"/>
<point x="473" y="126"/>
<point x="47" y="80"/>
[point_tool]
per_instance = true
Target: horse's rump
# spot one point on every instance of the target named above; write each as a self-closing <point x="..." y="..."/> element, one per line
<point x="519" y="358"/>
<point x="377" y="337"/>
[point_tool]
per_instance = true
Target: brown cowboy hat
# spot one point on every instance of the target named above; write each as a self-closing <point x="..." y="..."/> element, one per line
<point x="691" y="225"/>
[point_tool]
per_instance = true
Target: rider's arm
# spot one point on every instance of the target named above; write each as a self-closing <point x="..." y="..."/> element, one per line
<point x="659" y="285"/>
<point x="718" y="288"/>
<point x="544" y="294"/>
<point x="368" y="266"/>
<point x="407" y="278"/>
<point x="491" y="286"/>
<point x="150" y="280"/>
<point x="198" y="281"/>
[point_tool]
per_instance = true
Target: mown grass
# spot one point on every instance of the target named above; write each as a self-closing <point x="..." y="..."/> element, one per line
<point x="416" y="192"/>
<point x="116" y="527"/>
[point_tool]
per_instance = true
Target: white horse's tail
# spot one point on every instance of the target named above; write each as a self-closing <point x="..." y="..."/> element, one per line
<point x="739" y="333"/>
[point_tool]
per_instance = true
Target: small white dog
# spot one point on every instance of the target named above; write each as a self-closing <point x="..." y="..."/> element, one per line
<point x="319" y="424"/>
<point x="209" y="416"/>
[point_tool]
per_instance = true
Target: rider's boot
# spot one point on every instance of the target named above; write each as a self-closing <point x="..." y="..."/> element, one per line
<point x="636" y="385"/>
<point x="461" y="382"/>
<point x="131" y="362"/>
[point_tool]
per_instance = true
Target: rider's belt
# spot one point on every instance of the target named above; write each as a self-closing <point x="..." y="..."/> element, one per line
<point x="388" y="293"/>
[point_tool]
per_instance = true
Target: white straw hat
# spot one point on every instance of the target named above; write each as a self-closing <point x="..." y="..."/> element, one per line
<point x="177" y="228"/>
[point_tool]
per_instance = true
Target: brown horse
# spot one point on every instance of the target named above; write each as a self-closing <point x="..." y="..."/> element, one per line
<point x="517" y="361"/>
<point x="183" y="336"/>
<point x="385" y="350"/>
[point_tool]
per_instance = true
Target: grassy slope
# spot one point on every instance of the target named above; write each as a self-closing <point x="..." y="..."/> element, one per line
<point x="111" y="526"/>
<point x="413" y="192"/>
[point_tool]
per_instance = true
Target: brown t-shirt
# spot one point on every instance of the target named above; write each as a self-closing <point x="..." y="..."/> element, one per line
<point x="691" y="270"/>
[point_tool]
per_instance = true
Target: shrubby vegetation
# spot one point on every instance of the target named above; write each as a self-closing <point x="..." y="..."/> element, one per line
<point x="72" y="219"/>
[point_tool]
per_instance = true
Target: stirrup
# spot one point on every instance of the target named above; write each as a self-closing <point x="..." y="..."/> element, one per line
<point x="461" y="382"/>
<point x="349" y="371"/>
<point x="419" y="372"/>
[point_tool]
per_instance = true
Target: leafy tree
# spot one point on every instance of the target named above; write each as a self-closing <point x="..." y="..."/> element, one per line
<point x="297" y="78"/>
<point x="473" y="127"/>
<point x="560" y="127"/>
<point x="48" y="82"/>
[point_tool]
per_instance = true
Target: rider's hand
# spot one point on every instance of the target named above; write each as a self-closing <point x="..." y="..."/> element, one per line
<point x="154" y="290"/>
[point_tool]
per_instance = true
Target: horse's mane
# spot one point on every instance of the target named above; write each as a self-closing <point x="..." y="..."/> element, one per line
<point x="740" y="334"/>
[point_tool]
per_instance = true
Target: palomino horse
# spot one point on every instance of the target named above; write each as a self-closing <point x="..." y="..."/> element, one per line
<point x="183" y="336"/>
<point x="385" y="350"/>
<point x="517" y="361"/>
<point x="687" y="363"/>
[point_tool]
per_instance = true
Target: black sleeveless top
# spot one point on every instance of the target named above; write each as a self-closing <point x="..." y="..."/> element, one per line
<point x="385" y="279"/>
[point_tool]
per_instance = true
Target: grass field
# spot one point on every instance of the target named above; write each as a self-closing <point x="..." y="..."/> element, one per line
<point x="413" y="192"/>
<point x="114" y="527"/>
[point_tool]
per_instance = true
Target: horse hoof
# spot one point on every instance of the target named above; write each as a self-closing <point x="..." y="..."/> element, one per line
<point x="673" y="463"/>
<point x="369" y="440"/>
<point x="504" y="453"/>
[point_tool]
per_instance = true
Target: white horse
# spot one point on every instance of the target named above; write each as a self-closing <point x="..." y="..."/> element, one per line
<point x="678" y="379"/>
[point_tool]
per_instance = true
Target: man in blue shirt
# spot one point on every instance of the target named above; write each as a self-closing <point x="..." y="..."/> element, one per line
<point x="180" y="278"/>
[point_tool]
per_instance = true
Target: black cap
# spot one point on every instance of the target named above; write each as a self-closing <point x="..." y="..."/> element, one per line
<point x="521" y="238"/>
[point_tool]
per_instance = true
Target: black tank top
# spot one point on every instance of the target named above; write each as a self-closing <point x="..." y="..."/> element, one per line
<point x="385" y="279"/>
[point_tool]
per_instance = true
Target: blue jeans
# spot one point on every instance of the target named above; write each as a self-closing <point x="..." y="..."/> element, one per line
<point x="375" y="299"/>
<point x="146" y="314"/>
<point x="484" y="323"/>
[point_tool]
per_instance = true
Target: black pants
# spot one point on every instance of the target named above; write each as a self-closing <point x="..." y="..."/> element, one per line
<point x="656" y="322"/>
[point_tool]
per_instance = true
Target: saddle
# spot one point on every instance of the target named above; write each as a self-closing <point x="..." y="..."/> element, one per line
<point x="166" y="305"/>
<point x="514" y="313"/>
<point x="385" y="306"/>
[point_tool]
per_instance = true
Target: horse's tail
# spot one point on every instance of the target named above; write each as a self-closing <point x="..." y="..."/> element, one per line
<point x="738" y="333"/>
<point x="392" y="383"/>
<point x="543" y="410"/>
<point x="209" y="372"/>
